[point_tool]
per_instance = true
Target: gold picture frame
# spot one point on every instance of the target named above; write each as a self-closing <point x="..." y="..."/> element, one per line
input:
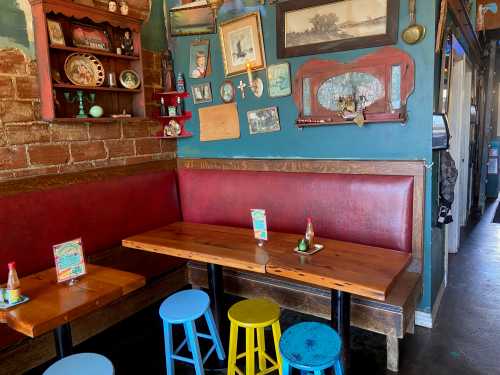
<point x="56" y="34"/>
<point x="242" y="43"/>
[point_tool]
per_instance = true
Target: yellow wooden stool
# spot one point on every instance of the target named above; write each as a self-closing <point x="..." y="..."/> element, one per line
<point x="254" y="315"/>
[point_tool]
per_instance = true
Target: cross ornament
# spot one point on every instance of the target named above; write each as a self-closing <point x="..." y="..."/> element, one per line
<point x="242" y="86"/>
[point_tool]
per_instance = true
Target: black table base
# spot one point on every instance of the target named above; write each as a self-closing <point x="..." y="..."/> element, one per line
<point x="341" y="322"/>
<point x="64" y="342"/>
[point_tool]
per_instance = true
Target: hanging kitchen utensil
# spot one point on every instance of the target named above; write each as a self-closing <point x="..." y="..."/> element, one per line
<point x="414" y="33"/>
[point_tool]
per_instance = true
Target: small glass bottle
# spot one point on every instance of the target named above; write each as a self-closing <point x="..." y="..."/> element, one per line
<point x="13" y="285"/>
<point x="163" y="110"/>
<point x="309" y="234"/>
<point x="181" y="87"/>
<point x="179" y="110"/>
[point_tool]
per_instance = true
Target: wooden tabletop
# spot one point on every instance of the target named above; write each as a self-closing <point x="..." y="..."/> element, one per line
<point x="52" y="304"/>
<point x="358" y="269"/>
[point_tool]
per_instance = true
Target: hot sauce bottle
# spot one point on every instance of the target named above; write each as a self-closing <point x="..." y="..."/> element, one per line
<point x="309" y="234"/>
<point x="13" y="285"/>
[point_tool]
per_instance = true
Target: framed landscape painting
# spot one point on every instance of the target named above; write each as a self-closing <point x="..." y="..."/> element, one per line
<point x="192" y="19"/>
<point x="309" y="27"/>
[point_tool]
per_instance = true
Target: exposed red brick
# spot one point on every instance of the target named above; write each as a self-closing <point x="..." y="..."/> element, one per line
<point x="6" y="87"/>
<point x="148" y="59"/>
<point x="118" y="148"/>
<point x="18" y="134"/>
<point x="147" y="146"/>
<point x="37" y="110"/>
<point x="139" y="159"/>
<point x="135" y="129"/>
<point x="27" y="87"/>
<point x="69" y="132"/>
<point x="23" y="173"/>
<point x="152" y="77"/>
<point x="48" y="154"/>
<point x="88" y="151"/>
<point x="32" y="68"/>
<point x="76" y="167"/>
<point x="16" y="111"/>
<point x="168" y="145"/>
<point x="106" y="131"/>
<point x="109" y="163"/>
<point x="13" y="157"/>
<point x="12" y="61"/>
<point x="155" y="128"/>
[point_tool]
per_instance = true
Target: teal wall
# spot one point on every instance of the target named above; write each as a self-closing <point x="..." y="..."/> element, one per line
<point x="153" y="31"/>
<point x="377" y="141"/>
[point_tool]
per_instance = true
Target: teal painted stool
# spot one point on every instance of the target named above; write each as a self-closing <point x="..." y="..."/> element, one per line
<point x="310" y="347"/>
<point x="184" y="308"/>
<point x="82" y="364"/>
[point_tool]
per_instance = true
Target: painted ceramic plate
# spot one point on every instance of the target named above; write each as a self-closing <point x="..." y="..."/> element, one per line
<point x="130" y="79"/>
<point x="173" y="128"/>
<point x="84" y="69"/>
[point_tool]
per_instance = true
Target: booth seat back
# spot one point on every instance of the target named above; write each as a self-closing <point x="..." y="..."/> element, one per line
<point x="101" y="212"/>
<point x="369" y="209"/>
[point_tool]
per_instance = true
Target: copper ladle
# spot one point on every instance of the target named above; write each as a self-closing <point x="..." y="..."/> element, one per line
<point x="415" y="32"/>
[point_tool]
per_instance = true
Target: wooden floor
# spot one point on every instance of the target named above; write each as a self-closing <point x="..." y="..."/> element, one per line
<point x="465" y="339"/>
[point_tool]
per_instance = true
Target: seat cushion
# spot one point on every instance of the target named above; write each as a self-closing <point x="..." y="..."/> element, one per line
<point x="369" y="209"/>
<point x="9" y="337"/>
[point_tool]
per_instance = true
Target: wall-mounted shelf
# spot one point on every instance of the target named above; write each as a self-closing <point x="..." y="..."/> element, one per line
<point x="170" y="99"/>
<point x="69" y="86"/>
<point x="93" y="52"/>
<point x="76" y="120"/>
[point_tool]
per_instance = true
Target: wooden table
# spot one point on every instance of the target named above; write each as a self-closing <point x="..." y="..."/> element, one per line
<point x="343" y="267"/>
<point x="53" y="306"/>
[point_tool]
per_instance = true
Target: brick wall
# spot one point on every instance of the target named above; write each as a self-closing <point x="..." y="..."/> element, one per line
<point x="30" y="147"/>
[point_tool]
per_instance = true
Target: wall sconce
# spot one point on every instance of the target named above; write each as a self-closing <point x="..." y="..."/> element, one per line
<point x="255" y="84"/>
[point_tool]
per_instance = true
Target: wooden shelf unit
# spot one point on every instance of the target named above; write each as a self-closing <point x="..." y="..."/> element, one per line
<point x="52" y="57"/>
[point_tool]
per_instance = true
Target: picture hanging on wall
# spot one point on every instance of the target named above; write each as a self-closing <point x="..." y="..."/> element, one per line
<point x="192" y="19"/>
<point x="242" y="44"/>
<point x="278" y="77"/>
<point x="308" y="27"/>
<point x="264" y="120"/>
<point x="227" y="92"/>
<point x="202" y="93"/>
<point x="199" y="59"/>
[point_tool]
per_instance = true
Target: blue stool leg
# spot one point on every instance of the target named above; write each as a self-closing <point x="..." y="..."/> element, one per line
<point x="195" y="347"/>
<point x="215" y="334"/>
<point x="318" y="372"/>
<point x="169" y="347"/>
<point x="285" y="366"/>
<point x="338" y="368"/>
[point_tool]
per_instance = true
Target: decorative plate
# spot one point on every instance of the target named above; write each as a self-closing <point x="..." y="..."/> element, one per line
<point x="130" y="79"/>
<point x="84" y="69"/>
<point x="173" y="129"/>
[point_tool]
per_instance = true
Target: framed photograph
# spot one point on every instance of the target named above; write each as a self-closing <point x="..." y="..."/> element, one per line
<point x="202" y="93"/>
<point x="69" y="260"/>
<point x="242" y="44"/>
<point x="56" y="34"/>
<point x="309" y="27"/>
<point x="263" y="120"/>
<point x="227" y="92"/>
<point x="194" y="18"/>
<point x="199" y="59"/>
<point x="90" y="37"/>
<point x="278" y="77"/>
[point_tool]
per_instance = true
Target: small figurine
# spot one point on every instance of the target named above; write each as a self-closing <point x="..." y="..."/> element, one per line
<point x="127" y="44"/>
<point x="167" y="70"/>
<point x="112" y="6"/>
<point x="123" y="8"/>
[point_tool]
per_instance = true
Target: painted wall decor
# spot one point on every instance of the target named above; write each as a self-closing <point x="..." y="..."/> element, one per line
<point x="199" y="56"/>
<point x="308" y="27"/>
<point x="373" y="88"/>
<point x="264" y="120"/>
<point x="56" y="34"/>
<point x="192" y="19"/>
<point x="130" y="79"/>
<point x="278" y="77"/>
<point x="227" y="92"/>
<point x="90" y="37"/>
<point x="84" y="69"/>
<point x="242" y="44"/>
<point x="202" y="93"/>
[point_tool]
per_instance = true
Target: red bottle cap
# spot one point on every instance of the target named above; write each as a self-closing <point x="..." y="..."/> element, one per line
<point x="12" y="265"/>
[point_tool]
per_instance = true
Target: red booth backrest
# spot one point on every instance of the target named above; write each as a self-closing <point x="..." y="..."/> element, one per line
<point x="101" y="212"/>
<point x="368" y="209"/>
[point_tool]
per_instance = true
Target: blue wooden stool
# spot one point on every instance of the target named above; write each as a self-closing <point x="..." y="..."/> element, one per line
<point x="312" y="347"/>
<point x="184" y="308"/>
<point x="82" y="364"/>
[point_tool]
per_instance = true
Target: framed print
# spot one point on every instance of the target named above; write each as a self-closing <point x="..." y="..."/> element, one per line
<point x="309" y="27"/>
<point x="199" y="59"/>
<point x="227" y="92"/>
<point x="69" y="260"/>
<point x="202" y="93"/>
<point x="56" y="34"/>
<point x="263" y="120"/>
<point x="242" y="44"/>
<point x="278" y="77"/>
<point x="192" y="19"/>
<point x="90" y="37"/>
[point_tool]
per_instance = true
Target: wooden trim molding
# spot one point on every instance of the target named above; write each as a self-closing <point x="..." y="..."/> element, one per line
<point x="414" y="168"/>
<point x="54" y="181"/>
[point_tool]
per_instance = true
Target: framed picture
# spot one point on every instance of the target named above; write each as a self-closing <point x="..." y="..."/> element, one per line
<point x="202" y="93"/>
<point x="199" y="59"/>
<point x="278" y="77"/>
<point x="56" y="34"/>
<point x="263" y="120"/>
<point x="227" y="92"/>
<point x="90" y="37"/>
<point x="192" y="19"/>
<point x="242" y="44"/>
<point x="69" y="260"/>
<point x="308" y="27"/>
